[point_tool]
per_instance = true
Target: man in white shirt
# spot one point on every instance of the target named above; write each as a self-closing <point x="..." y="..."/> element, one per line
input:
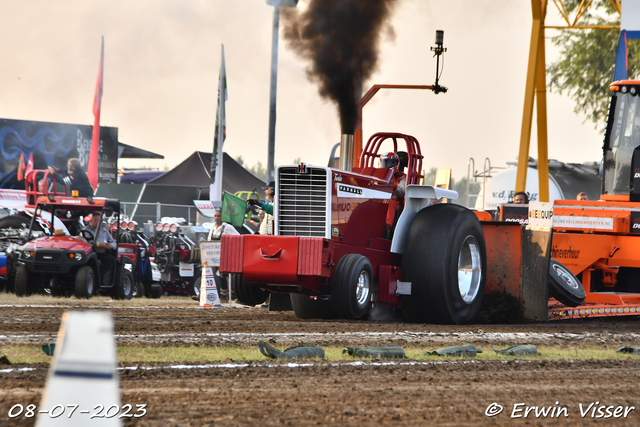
<point x="219" y="228"/>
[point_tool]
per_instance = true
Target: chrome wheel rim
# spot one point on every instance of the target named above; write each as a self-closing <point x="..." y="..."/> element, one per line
<point x="567" y="278"/>
<point x="362" y="288"/>
<point x="196" y="289"/>
<point x="469" y="270"/>
<point x="126" y="285"/>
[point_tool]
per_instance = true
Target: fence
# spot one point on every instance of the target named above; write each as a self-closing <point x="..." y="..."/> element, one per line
<point x="144" y="212"/>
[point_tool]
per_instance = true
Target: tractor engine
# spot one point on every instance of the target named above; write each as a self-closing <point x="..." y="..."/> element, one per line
<point x="177" y="255"/>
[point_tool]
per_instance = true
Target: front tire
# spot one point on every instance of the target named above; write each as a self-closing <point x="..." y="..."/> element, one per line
<point x="352" y="286"/>
<point x="445" y="261"/>
<point x="85" y="282"/>
<point x="249" y="293"/>
<point x="21" y="284"/>
<point x="564" y="286"/>
<point x="124" y="289"/>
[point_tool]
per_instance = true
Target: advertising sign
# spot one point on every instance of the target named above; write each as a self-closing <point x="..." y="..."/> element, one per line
<point x="52" y="144"/>
<point x="210" y="253"/>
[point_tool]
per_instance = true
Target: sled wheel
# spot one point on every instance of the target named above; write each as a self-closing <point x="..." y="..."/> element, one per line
<point x="305" y="307"/>
<point x="21" y="284"/>
<point x="194" y="286"/>
<point x="85" y="282"/>
<point x="445" y="261"/>
<point x="564" y="286"/>
<point x="249" y="293"/>
<point x="124" y="289"/>
<point x="352" y="285"/>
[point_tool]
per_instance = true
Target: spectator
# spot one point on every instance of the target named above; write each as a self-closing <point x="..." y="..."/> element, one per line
<point x="521" y="198"/>
<point x="266" y="224"/>
<point x="582" y="196"/>
<point x="75" y="177"/>
<point x="103" y="244"/>
<point x="219" y="228"/>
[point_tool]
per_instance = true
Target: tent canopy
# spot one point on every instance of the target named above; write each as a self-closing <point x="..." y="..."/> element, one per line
<point x="130" y="152"/>
<point x="194" y="172"/>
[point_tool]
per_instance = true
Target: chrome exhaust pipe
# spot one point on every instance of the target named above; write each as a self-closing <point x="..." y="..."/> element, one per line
<point x="346" y="152"/>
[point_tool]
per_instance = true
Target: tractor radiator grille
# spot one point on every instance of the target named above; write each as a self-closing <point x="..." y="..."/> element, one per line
<point x="302" y="202"/>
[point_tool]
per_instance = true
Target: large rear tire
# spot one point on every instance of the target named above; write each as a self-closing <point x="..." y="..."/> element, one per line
<point x="352" y="286"/>
<point x="85" y="283"/>
<point x="21" y="284"/>
<point x="564" y="286"/>
<point x="305" y="307"/>
<point x="445" y="261"/>
<point x="249" y="293"/>
<point x="124" y="289"/>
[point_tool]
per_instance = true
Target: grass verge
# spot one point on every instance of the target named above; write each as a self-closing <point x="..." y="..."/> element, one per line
<point x="127" y="355"/>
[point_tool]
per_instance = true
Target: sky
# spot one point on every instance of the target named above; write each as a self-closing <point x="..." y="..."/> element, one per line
<point x="162" y="60"/>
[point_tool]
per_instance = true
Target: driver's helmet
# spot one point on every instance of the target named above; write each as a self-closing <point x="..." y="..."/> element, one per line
<point x="389" y="160"/>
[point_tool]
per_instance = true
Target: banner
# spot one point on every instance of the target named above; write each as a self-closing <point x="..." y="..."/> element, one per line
<point x="220" y="134"/>
<point x="53" y="144"/>
<point x="233" y="209"/>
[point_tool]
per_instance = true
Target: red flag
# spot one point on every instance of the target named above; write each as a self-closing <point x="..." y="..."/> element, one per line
<point x="21" y="168"/>
<point x="29" y="166"/>
<point x="92" y="171"/>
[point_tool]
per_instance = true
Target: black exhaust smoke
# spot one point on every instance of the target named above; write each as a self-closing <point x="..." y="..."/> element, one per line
<point x="340" y="38"/>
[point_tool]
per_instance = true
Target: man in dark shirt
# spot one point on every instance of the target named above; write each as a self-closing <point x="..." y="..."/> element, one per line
<point x="104" y="243"/>
<point x="76" y="178"/>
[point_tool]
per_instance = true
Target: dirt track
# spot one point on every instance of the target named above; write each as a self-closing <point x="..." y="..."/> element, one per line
<point x="451" y="392"/>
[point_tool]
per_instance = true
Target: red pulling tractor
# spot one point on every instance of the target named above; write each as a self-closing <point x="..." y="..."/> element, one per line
<point x="347" y="240"/>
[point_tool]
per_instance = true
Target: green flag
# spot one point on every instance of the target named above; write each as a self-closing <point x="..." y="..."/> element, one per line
<point x="233" y="209"/>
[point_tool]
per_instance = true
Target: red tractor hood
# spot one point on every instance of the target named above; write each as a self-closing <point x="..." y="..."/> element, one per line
<point x="59" y="242"/>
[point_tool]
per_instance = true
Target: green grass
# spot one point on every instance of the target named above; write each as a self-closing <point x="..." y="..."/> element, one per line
<point x="129" y="354"/>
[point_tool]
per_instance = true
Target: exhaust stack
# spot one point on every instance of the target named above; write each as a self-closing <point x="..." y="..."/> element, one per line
<point x="346" y="152"/>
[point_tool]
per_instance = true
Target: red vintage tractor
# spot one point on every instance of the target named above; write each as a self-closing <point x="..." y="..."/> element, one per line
<point x="348" y="240"/>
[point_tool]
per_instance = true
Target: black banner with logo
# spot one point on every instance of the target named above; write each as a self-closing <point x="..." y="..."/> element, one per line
<point x="515" y="213"/>
<point x="52" y="144"/>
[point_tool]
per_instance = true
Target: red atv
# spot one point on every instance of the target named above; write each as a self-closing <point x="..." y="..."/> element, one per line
<point x="66" y="264"/>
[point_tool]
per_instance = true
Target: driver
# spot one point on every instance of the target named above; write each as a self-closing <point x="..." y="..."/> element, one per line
<point x="103" y="245"/>
<point x="391" y="161"/>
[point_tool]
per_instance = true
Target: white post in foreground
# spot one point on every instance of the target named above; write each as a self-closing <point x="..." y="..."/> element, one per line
<point x="82" y="378"/>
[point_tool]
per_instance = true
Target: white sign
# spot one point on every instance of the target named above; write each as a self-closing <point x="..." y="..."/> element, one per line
<point x="630" y="16"/>
<point x="583" y="222"/>
<point x="207" y="207"/>
<point x="210" y="253"/>
<point x="186" y="270"/>
<point x="540" y="214"/>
